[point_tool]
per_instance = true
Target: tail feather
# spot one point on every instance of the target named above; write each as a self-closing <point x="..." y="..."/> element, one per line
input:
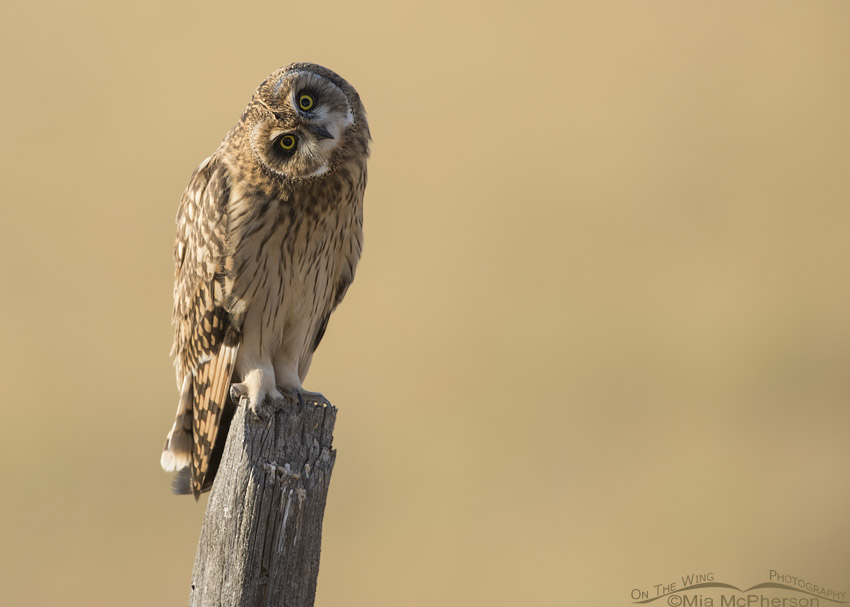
<point x="182" y="483"/>
<point x="177" y="452"/>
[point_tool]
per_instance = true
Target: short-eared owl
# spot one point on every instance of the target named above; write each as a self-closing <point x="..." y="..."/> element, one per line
<point x="269" y="231"/>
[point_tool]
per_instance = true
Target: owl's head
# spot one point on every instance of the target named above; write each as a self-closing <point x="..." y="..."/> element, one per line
<point x="304" y="121"/>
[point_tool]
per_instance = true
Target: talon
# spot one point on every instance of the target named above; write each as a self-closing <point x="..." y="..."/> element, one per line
<point x="238" y="392"/>
<point x="258" y="411"/>
<point x="315" y="398"/>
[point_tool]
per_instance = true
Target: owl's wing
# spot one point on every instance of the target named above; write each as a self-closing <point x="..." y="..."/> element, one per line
<point x="206" y="341"/>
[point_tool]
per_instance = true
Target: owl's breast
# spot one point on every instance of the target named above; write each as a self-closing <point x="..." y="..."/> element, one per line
<point x="292" y="264"/>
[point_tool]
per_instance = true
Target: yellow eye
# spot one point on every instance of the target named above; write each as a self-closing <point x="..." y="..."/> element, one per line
<point x="305" y="101"/>
<point x="287" y="142"/>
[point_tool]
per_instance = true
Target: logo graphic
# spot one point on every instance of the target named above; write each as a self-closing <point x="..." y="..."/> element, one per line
<point x="704" y="590"/>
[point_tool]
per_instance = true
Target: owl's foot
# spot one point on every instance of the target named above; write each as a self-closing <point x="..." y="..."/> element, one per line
<point x="301" y="396"/>
<point x="259" y="402"/>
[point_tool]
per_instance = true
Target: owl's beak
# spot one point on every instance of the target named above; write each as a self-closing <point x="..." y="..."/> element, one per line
<point x="321" y="132"/>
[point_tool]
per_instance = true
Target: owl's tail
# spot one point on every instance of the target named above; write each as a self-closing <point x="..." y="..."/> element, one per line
<point x="182" y="484"/>
<point x="177" y="452"/>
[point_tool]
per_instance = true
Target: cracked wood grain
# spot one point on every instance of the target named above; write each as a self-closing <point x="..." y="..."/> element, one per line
<point x="262" y="532"/>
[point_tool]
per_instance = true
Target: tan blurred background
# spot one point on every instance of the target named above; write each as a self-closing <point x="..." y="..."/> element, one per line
<point x="599" y="338"/>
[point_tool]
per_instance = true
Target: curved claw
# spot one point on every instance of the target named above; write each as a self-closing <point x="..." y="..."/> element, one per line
<point x="238" y="392"/>
<point x="315" y="398"/>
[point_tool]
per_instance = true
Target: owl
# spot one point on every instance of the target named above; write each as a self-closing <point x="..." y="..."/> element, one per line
<point x="269" y="233"/>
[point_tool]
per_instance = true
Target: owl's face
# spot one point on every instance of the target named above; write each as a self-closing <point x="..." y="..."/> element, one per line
<point x="302" y="121"/>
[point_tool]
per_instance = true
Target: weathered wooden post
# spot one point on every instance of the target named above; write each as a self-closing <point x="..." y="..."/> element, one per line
<point x="262" y="533"/>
